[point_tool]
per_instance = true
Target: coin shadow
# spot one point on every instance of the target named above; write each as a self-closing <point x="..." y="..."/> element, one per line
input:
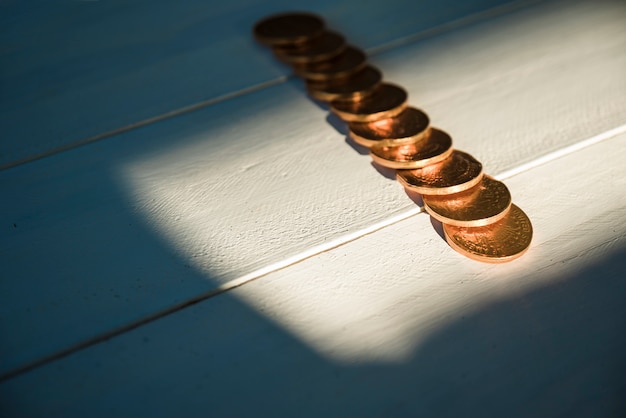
<point x="438" y="227"/>
<point x="386" y="172"/>
<point x="322" y="105"/>
<point x="299" y="84"/>
<point x="415" y="197"/>
<point x="357" y="147"/>
<point x="336" y="122"/>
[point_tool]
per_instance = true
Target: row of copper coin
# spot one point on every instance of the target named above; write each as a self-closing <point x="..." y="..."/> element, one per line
<point x="478" y="217"/>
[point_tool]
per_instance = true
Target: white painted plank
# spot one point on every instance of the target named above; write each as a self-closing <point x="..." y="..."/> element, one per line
<point x="499" y="84"/>
<point x="392" y="324"/>
<point x="406" y="273"/>
<point x="74" y="70"/>
<point x="130" y="226"/>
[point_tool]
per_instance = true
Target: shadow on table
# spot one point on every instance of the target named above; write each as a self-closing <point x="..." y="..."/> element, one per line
<point x="553" y="351"/>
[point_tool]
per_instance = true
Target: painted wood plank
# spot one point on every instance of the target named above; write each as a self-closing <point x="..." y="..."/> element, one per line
<point x="535" y="78"/>
<point x="131" y="226"/>
<point x="75" y="70"/>
<point x="392" y="324"/>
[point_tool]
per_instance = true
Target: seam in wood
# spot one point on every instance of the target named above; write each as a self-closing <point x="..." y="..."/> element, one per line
<point x="464" y="21"/>
<point x="298" y="258"/>
<point x="144" y="122"/>
<point x="107" y="335"/>
<point x="562" y="152"/>
<point x="233" y="284"/>
<point x="454" y="24"/>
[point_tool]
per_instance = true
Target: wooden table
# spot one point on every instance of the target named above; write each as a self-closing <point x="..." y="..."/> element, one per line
<point x="185" y="233"/>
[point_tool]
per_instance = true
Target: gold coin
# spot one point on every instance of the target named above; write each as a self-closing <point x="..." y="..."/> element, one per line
<point x="349" y="61"/>
<point x="459" y="172"/>
<point x="385" y="101"/>
<point x="411" y="153"/>
<point x="411" y="123"/>
<point x="322" y="47"/>
<point x="483" y="204"/>
<point x="352" y="87"/>
<point x="288" y="28"/>
<point x="499" y="242"/>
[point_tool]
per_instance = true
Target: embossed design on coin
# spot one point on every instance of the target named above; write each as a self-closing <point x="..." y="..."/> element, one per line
<point x="483" y="204"/>
<point x="350" y="61"/>
<point x="499" y="242"/>
<point x="387" y="100"/>
<point x="352" y="87"/>
<point x="288" y="28"/>
<point x="459" y="172"/>
<point x="323" y="47"/>
<point x="411" y="123"/>
<point x="404" y="154"/>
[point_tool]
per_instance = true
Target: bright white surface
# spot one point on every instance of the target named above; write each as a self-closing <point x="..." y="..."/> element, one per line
<point x="285" y="181"/>
<point x="378" y="297"/>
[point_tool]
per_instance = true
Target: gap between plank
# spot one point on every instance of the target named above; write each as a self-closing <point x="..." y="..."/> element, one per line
<point x="295" y="259"/>
<point x="345" y="239"/>
<point x="454" y="24"/>
<point x="562" y="152"/>
<point x="144" y="122"/>
<point x="464" y="21"/>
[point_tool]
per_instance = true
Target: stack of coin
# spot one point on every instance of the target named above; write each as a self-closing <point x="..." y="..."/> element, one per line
<point x="478" y="217"/>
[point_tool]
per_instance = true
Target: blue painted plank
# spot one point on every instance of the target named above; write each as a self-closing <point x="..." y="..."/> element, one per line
<point x="73" y="70"/>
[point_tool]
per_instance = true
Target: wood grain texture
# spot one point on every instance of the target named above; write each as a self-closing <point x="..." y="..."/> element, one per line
<point x="130" y="226"/>
<point x="393" y="324"/>
<point x="74" y="70"/>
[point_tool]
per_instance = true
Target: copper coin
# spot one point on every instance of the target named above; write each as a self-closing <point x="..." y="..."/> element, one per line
<point x="386" y="101"/>
<point x="458" y="172"/>
<point x="498" y="242"/>
<point x="404" y="154"/>
<point x="288" y="28"/>
<point x="322" y="47"/>
<point x="349" y="61"/>
<point x="483" y="204"/>
<point x="352" y="87"/>
<point x="410" y="124"/>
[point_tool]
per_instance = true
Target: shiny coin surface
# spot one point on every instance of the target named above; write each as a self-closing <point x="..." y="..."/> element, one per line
<point x="322" y="47"/>
<point x="483" y="204"/>
<point x="352" y="87"/>
<point x="411" y="123"/>
<point x="499" y="242"/>
<point x="347" y="62"/>
<point x="288" y="28"/>
<point x="406" y="154"/>
<point x="459" y="172"/>
<point x="386" y="101"/>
